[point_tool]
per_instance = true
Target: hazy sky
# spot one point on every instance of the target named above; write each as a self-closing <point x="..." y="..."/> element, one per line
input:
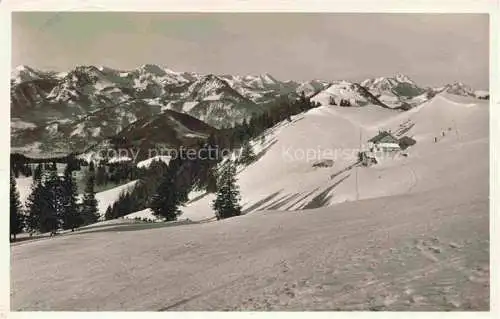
<point x="433" y="49"/>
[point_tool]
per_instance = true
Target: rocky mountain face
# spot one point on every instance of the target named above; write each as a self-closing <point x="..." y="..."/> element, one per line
<point x="261" y="88"/>
<point x="396" y="91"/>
<point x="346" y="93"/>
<point x="458" y="88"/>
<point x="214" y="101"/>
<point x="310" y="88"/>
<point x="55" y="113"/>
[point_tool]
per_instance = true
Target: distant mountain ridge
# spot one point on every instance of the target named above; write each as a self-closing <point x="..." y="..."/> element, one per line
<point x="394" y="91"/>
<point x="61" y="111"/>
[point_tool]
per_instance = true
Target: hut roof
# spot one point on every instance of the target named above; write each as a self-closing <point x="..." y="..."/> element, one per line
<point x="383" y="137"/>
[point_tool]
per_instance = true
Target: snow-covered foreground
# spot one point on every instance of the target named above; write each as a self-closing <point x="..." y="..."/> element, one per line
<point x="423" y="251"/>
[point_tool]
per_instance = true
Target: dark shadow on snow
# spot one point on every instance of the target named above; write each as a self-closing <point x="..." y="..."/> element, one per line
<point x="260" y="203"/>
<point x="281" y="202"/>
<point x="304" y="197"/>
<point x="323" y="198"/>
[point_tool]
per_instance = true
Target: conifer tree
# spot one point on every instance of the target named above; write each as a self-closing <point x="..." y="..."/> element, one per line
<point x="109" y="213"/>
<point x="53" y="194"/>
<point x="332" y="101"/>
<point x="72" y="163"/>
<point x="37" y="175"/>
<point x="168" y="197"/>
<point x="16" y="217"/>
<point x="44" y="204"/>
<point x="34" y="207"/>
<point x="91" y="167"/>
<point x="247" y="155"/>
<point x="71" y="216"/>
<point x="101" y="175"/>
<point x="89" y="212"/>
<point x="226" y="204"/>
<point x="211" y="181"/>
<point x="26" y="170"/>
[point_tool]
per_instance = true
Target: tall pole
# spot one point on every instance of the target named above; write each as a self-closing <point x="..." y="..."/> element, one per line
<point x="456" y="130"/>
<point x="359" y="149"/>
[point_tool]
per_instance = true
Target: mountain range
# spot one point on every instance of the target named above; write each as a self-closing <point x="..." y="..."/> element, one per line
<point x="54" y="113"/>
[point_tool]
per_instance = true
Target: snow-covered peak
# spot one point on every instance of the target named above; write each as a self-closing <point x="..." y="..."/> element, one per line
<point x="152" y="68"/>
<point x="380" y="83"/>
<point x="206" y="86"/>
<point x="459" y="88"/>
<point x="311" y="87"/>
<point x="393" y="91"/>
<point x="22" y="68"/>
<point x="89" y="73"/>
<point x="403" y="78"/>
<point x="262" y="82"/>
<point x="23" y="73"/>
<point x="387" y="83"/>
<point x="60" y="75"/>
<point x="353" y="93"/>
<point x="170" y="71"/>
<point x="211" y="80"/>
<point x="267" y="79"/>
<point x="155" y="76"/>
<point x="482" y="94"/>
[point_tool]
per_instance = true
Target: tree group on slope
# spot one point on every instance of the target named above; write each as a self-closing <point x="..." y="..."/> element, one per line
<point x="53" y="203"/>
<point x="16" y="215"/>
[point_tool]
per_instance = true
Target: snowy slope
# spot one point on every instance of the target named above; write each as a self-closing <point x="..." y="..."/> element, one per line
<point x="108" y="197"/>
<point x="330" y="132"/>
<point x="426" y="251"/>
<point x="324" y="133"/>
